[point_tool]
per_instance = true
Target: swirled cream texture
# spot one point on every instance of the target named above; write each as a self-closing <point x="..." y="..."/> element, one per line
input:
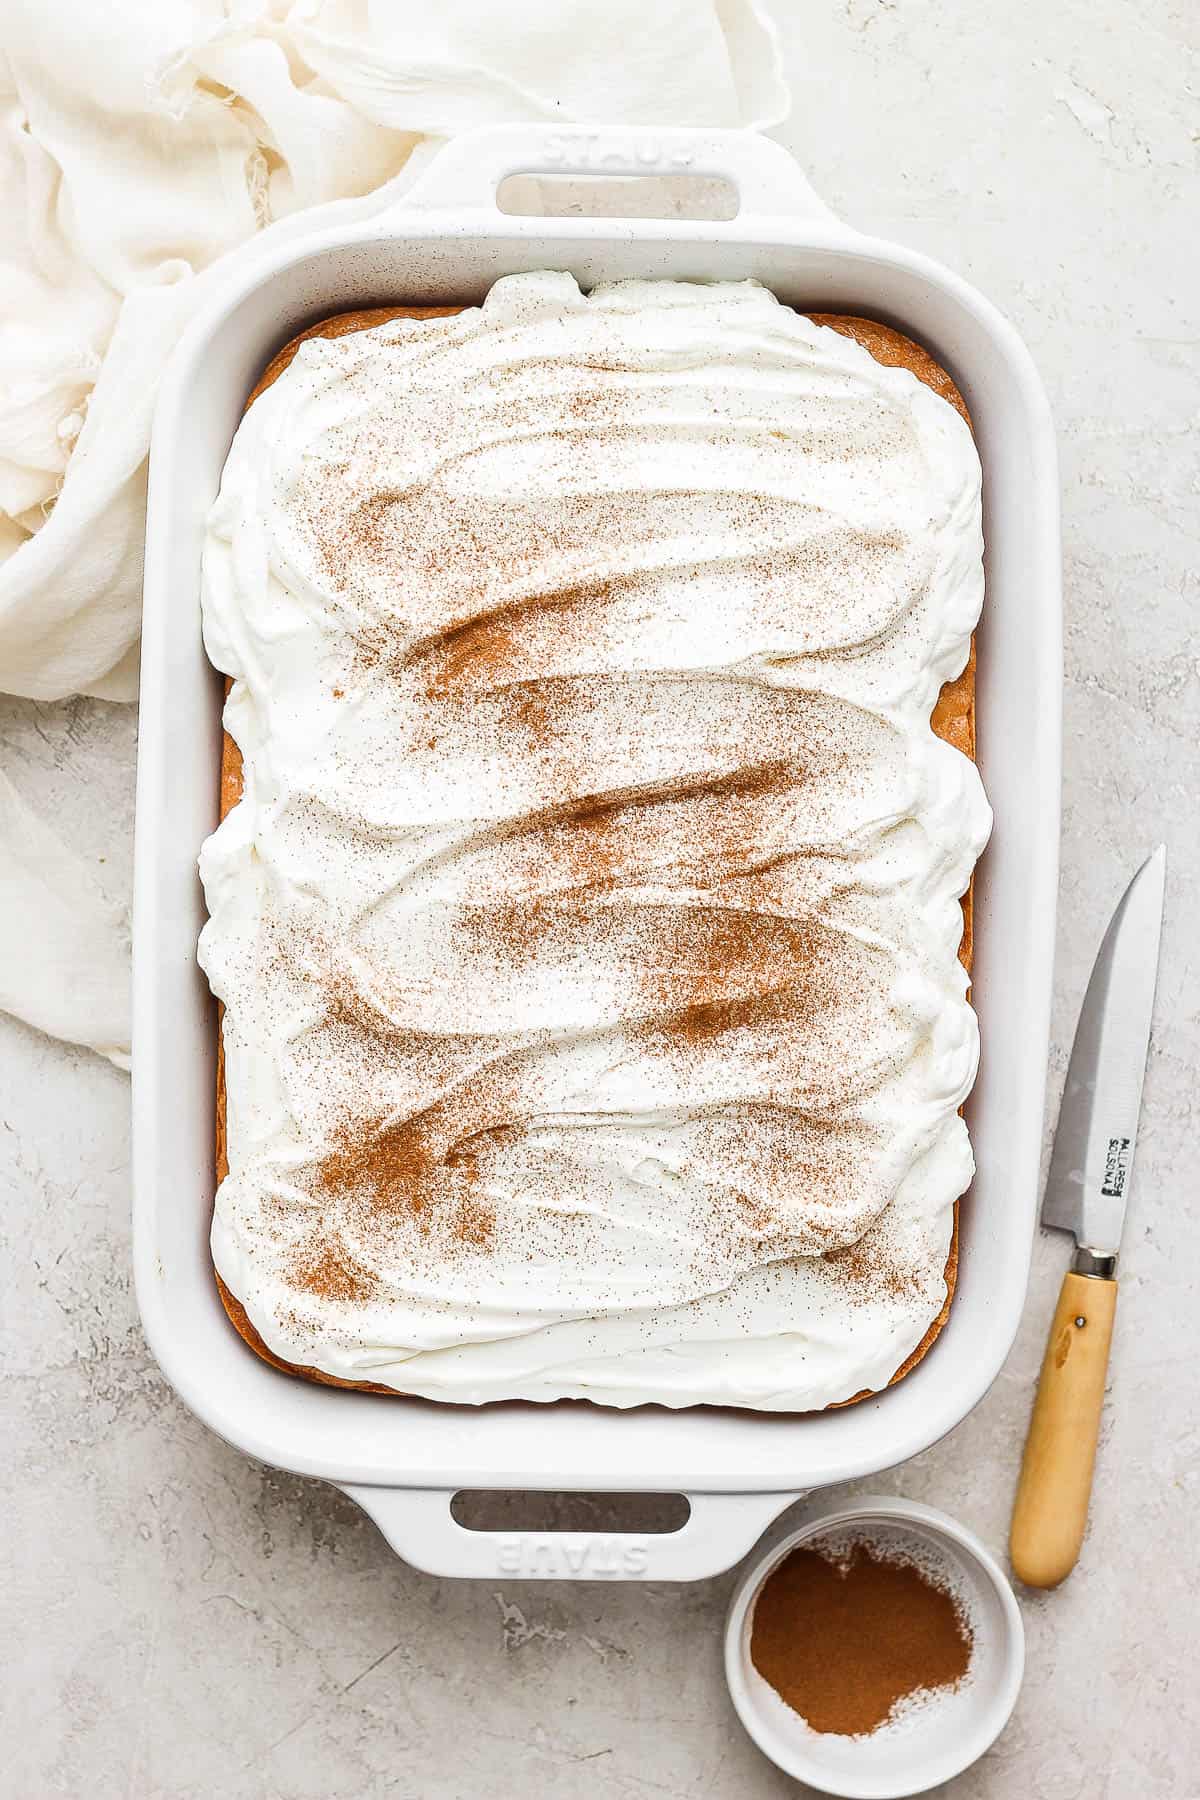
<point x="587" y="930"/>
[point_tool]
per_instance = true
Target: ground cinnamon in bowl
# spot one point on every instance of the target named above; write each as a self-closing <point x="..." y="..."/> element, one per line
<point x="845" y="1632"/>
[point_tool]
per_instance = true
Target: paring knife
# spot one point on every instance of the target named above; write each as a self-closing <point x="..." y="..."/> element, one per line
<point x="1086" y="1192"/>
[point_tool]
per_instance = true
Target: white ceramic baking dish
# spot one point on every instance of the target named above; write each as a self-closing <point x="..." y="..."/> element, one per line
<point x="402" y="1459"/>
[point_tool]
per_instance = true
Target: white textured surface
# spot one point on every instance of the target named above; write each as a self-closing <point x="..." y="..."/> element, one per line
<point x="182" y="1623"/>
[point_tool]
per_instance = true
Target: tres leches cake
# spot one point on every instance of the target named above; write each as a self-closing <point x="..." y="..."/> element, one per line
<point x="588" y="922"/>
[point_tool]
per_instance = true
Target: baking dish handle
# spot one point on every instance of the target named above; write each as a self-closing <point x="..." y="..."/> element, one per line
<point x="465" y="174"/>
<point x="720" y="1528"/>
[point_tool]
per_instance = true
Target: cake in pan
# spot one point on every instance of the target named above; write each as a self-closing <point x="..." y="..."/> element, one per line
<point x="590" y="908"/>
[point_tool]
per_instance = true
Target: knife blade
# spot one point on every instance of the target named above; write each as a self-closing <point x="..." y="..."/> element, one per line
<point x="1086" y="1193"/>
<point x="1088" y="1183"/>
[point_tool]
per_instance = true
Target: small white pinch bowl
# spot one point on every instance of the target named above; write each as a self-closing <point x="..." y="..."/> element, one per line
<point x="928" y="1743"/>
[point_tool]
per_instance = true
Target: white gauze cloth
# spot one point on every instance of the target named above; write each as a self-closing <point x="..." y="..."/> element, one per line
<point x="146" y="148"/>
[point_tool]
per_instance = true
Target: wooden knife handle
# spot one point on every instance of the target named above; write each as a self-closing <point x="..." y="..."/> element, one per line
<point x="1051" y="1508"/>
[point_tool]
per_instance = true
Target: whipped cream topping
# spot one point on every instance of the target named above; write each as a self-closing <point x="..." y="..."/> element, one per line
<point x="587" y="930"/>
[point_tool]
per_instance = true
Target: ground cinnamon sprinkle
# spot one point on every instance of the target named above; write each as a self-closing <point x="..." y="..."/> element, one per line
<point x="331" y="1272"/>
<point x="866" y="1267"/>
<point x="402" y="1168"/>
<point x="843" y="1637"/>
